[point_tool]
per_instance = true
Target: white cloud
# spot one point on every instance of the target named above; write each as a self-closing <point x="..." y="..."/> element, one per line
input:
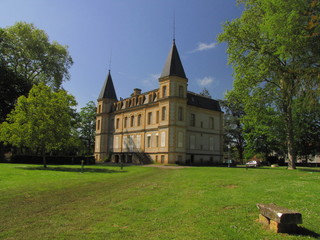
<point x="151" y="82"/>
<point x="204" y="46"/>
<point x="205" y="81"/>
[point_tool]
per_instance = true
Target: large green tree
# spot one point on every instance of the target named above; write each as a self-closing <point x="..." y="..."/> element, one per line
<point x="307" y="128"/>
<point x="27" y="52"/>
<point x="12" y="86"/>
<point x="87" y="125"/>
<point x="274" y="46"/>
<point x="41" y="122"/>
<point x="233" y="127"/>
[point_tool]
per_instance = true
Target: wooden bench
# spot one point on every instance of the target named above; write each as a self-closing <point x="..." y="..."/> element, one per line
<point x="279" y="219"/>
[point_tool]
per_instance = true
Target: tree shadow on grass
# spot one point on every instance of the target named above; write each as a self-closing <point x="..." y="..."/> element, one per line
<point x="66" y="169"/>
<point x="258" y="168"/>
<point x="309" y="170"/>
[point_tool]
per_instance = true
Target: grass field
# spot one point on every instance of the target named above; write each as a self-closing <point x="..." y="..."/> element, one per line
<point x="152" y="203"/>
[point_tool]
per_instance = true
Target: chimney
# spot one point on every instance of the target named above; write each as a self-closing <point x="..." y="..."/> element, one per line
<point x="136" y="91"/>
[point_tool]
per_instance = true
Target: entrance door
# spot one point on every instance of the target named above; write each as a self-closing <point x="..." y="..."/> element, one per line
<point x="162" y="159"/>
<point x="192" y="159"/>
<point x="116" y="158"/>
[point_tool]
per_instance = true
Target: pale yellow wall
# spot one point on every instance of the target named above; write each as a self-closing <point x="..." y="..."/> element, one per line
<point x="144" y="130"/>
<point x="203" y="134"/>
<point x="174" y="148"/>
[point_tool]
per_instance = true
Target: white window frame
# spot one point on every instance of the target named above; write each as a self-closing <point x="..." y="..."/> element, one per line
<point x="163" y="139"/>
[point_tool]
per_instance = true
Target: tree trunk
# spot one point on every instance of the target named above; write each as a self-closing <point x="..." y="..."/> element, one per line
<point x="290" y="140"/>
<point x="44" y="158"/>
<point x="287" y="88"/>
<point x="240" y="152"/>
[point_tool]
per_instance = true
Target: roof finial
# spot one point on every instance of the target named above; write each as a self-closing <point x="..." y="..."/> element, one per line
<point x="110" y="60"/>
<point x="174" y="26"/>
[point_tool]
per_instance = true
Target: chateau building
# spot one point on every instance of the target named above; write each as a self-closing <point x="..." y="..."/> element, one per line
<point x="167" y="125"/>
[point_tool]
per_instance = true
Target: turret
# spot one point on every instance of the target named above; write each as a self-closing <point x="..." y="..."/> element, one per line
<point x="173" y="96"/>
<point x="104" y="121"/>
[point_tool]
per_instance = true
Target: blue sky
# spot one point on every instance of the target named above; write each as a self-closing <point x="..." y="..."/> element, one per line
<point x="137" y="36"/>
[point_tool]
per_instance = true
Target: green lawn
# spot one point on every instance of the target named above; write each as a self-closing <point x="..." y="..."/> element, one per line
<point x="151" y="203"/>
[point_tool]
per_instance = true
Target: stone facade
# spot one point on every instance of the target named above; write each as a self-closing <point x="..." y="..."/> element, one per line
<point x="165" y="125"/>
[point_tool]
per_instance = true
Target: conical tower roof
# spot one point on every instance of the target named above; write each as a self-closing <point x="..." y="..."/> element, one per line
<point x="173" y="65"/>
<point x="107" y="90"/>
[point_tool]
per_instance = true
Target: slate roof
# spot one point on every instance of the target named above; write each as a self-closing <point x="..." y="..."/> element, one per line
<point x="173" y="65"/>
<point x="203" y="102"/>
<point x="107" y="90"/>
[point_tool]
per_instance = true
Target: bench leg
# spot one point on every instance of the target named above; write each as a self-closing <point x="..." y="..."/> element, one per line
<point x="282" y="228"/>
<point x="264" y="220"/>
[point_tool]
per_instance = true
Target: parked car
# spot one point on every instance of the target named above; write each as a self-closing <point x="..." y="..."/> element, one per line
<point x="253" y="163"/>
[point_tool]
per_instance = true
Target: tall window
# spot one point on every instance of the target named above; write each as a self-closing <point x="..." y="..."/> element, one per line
<point x="98" y="125"/>
<point x="180" y="113"/>
<point x="130" y="143"/>
<point x="125" y="122"/>
<point x="211" y="143"/>
<point x="139" y="120"/>
<point x="117" y="123"/>
<point x="125" y="142"/>
<point x="180" y="91"/>
<point x="116" y="142"/>
<point x="149" y="118"/>
<point x="192" y="120"/>
<point x="164" y="112"/>
<point x="180" y="139"/>
<point x="99" y="111"/>
<point x="132" y="121"/>
<point x="192" y="142"/>
<point x="164" y="91"/>
<point x="216" y="140"/>
<point x="163" y="139"/>
<point x="138" y="141"/>
<point x="157" y="140"/>
<point x="157" y="117"/>
<point x="211" y="123"/>
<point x="149" y="141"/>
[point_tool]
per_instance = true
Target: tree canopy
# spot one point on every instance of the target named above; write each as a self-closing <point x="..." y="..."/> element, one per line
<point x="41" y="122"/>
<point x="274" y="49"/>
<point x="205" y="93"/>
<point x="87" y="125"/>
<point x="12" y="86"/>
<point x="27" y="52"/>
<point x="233" y="128"/>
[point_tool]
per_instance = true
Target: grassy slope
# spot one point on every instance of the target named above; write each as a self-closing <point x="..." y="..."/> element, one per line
<point x="150" y="203"/>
